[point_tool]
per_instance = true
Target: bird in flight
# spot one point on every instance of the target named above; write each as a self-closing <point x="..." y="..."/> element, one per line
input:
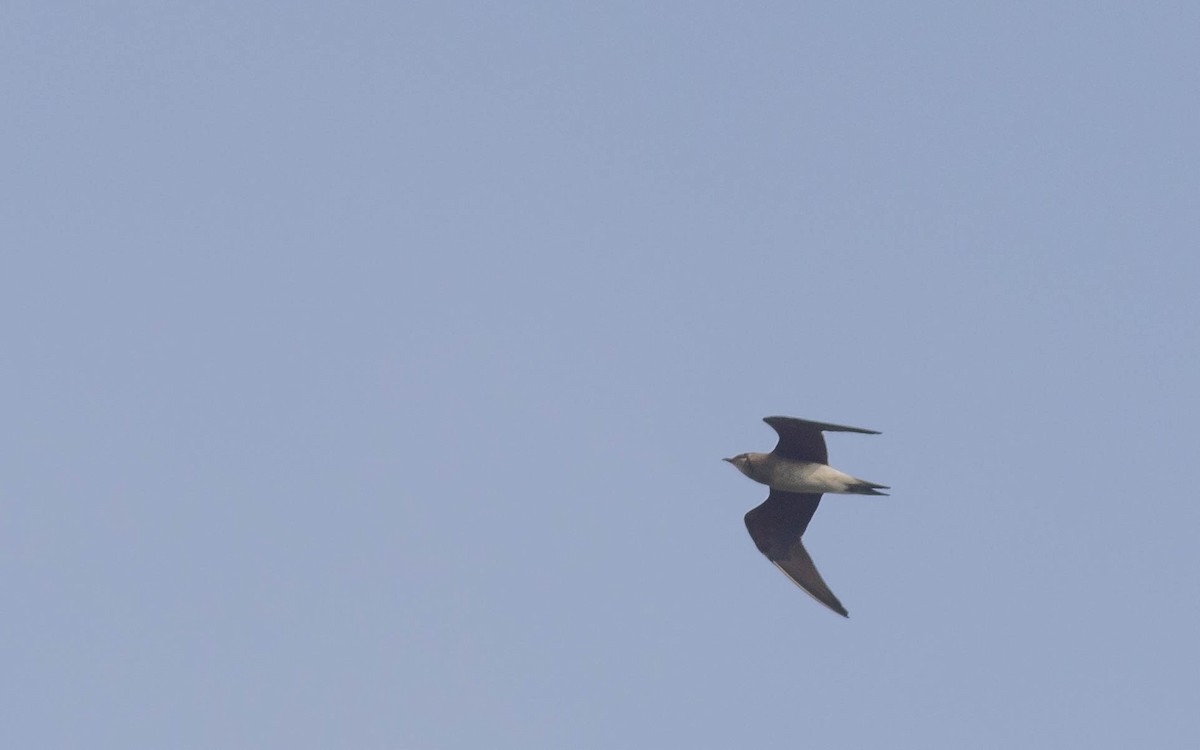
<point x="798" y="473"/>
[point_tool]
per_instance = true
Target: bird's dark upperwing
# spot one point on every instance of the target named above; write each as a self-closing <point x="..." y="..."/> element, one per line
<point x="802" y="439"/>
<point x="776" y="527"/>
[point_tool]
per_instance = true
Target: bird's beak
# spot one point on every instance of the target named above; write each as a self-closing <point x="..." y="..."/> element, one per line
<point x="730" y="460"/>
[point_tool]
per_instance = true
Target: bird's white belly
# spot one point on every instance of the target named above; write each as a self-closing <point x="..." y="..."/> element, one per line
<point x="805" y="477"/>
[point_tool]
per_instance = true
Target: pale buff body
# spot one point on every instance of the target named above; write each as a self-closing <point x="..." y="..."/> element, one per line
<point x="789" y="475"/>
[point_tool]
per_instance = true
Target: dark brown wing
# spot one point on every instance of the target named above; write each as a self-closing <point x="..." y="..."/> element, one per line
<point x="802" y="439"/>
<point x="776" y="527"/>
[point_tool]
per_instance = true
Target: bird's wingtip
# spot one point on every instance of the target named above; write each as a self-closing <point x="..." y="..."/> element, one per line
<point x="777" y="420"/>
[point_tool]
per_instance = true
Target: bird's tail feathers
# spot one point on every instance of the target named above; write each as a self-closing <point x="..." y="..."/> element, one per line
<point x="864" y="487"/>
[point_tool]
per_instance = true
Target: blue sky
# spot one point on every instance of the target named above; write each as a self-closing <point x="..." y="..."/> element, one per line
<point x="369" y="367"/>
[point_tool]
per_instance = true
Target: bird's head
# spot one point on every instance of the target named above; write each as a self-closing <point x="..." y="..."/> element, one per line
<point x="742" y="462"/>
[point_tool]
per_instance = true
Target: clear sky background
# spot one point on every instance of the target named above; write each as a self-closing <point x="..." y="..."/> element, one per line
<point x="368" y="367"/>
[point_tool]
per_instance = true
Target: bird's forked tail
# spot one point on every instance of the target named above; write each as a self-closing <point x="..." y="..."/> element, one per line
<point x="864" y="487"/>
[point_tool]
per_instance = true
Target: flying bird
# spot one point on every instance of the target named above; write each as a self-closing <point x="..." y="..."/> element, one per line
<point x="798" y="473"/>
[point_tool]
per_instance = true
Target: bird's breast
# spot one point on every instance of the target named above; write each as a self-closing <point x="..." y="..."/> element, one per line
<point x="800" y="476"/>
